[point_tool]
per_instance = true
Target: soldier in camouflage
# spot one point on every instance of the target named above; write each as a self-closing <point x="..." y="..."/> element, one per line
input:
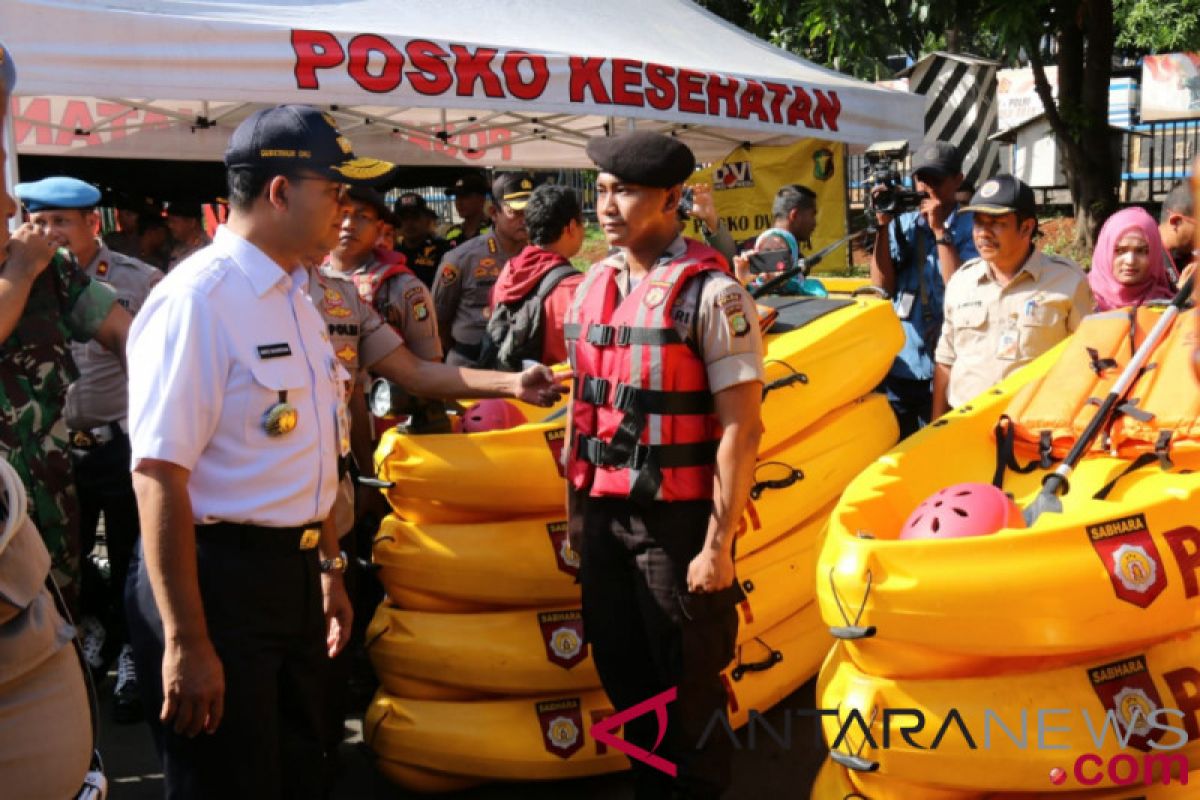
<point x="46" y="302"/>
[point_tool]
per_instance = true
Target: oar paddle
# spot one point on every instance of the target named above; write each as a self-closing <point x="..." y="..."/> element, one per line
<point x="802" y="266"/>
<point x="1055" y="482"/>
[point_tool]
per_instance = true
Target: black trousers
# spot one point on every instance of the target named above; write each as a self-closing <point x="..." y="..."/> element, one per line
<point x="104" y="483"/>
<point x="264" y="614"/>
<point x="648" y="634"/>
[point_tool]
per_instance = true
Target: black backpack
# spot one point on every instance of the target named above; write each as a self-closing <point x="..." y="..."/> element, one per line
<point x="515" y="331"/>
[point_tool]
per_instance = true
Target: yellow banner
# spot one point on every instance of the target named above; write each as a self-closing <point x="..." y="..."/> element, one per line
<point x="745" y="182"/>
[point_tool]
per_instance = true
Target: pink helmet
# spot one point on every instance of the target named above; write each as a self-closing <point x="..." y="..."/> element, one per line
<point x="492" y="415"/>
<point x="965" y="509"/>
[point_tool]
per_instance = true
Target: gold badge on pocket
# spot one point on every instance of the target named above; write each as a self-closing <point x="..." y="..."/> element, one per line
<point x="280" y="419"/>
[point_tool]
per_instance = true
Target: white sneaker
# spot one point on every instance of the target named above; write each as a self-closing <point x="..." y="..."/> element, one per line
<point x="92" y="636"/>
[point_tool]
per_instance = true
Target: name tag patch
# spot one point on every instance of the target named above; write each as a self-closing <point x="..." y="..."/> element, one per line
<point x="279" y="350"/>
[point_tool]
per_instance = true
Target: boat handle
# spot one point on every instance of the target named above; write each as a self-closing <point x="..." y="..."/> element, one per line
<point x="851" y="630"/>
<point x="786" y="380"/>
<point x="795" y="474"/>
<point x="773" y="658"/>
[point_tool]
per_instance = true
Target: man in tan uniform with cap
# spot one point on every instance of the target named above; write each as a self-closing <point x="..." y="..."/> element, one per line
<point x="1008" y="306"/>
<point x="463" y="286"/>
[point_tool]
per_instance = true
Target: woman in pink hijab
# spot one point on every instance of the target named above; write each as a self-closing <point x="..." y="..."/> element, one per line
<point x="1128" y="266"/>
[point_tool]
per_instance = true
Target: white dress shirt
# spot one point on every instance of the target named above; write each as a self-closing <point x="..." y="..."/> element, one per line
<point x="217" y="343"/>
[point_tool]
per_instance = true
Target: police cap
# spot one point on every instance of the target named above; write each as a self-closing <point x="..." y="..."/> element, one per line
<point x="1004" y="194"/>
<point x="643" y="158"/>
<point x="57" y="192"/>
<point x="293" y="137"/>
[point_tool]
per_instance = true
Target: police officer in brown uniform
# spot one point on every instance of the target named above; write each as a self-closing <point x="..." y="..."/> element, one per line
<point x="421" y="249"/>
<point x="382" y="278"/>
<point x="463" y="286"/>
<point x="665" y="424"/>
<point x="470" y="201"/>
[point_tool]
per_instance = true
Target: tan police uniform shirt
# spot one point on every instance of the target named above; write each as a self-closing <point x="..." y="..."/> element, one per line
<point x="990" y="330"/>
<point x="716" y="313"/>
<point x="100" y="394"/>
<point x="358" y="335"/>
<point x="359" y="338"/>
<point x="461" y="291"/>
<point x="406" y="304"/>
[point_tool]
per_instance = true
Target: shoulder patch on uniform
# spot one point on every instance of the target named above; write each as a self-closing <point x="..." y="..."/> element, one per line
<point x="449" y="273"/>
<point x="412" y="293"/>
<point x="347" y="354"/>
<point x="487" y="262"/>
<point x="732" y="306"/>
<point x="101" y="269"/>
<point x="333" y="298"/>
<point x="420" y="310"/>
<point x="338" y="311"/>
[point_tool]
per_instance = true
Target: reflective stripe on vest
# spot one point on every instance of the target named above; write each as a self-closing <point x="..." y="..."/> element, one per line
<point x="642" y="412"/>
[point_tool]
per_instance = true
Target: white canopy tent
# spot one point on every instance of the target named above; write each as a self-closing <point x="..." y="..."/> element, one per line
<point x="430" y="82"/>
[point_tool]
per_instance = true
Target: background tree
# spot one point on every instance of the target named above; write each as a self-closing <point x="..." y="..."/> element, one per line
<point x="1079" y="37"/>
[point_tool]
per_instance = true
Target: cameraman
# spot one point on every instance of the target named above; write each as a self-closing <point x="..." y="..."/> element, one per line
<point x="912" y="260"/>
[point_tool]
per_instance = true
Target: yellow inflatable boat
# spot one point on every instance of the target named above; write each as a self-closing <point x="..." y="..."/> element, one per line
<point x="427" y="655"/>
<point x="1104" y="575"/>
<point x="471" y="477"/>
<point x="454" y="568"/>
<point x="428" y="745"/>
<point x="1089" y="725"/>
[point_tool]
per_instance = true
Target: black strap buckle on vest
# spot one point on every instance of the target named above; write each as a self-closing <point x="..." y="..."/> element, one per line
<point x="1161" y="454"/>
<point x="654" y="401"/>
<point x="645" y="462"/>
<point x="593" y="390"/>
<point x="600" y="335"/>
<point x="1006" y="457"/>
<point x="571" y="331"/>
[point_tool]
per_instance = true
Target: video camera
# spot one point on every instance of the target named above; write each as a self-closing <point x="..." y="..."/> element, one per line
<point x="883" y="168"/>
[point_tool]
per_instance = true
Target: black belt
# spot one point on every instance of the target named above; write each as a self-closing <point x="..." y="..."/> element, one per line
<point x="260" y="538"/>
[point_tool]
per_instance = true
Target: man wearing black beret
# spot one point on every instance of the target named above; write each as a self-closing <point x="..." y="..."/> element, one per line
<point x="667" y="356"/>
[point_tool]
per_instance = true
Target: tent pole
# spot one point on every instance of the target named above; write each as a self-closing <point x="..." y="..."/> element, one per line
<point x="11" y="173"/>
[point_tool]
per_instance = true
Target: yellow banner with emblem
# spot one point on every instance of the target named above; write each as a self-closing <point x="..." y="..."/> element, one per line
<point x="745" y="181"/>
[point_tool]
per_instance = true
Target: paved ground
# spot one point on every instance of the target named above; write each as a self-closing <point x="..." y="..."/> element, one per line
<point x="767" y="771"/>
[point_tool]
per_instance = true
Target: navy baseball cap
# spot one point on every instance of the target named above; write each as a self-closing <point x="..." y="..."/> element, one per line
<point x="57" y="192"/>
<point x="937" y="157"/>
<point x="294" y="137"/>
<point x="1004" y="194"/>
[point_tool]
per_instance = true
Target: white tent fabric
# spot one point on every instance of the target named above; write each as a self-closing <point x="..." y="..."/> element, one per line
<point x="486" y="82"/>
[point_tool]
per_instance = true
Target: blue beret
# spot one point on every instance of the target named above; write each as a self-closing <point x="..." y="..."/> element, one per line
<point x="8" y="71"/>
<point x="57" y="192"/>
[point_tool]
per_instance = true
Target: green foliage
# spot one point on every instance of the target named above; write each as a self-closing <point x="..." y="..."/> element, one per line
<point x="1157" y="26"/>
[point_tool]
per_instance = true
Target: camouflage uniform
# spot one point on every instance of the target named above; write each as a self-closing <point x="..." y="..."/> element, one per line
<point x="35" y="369"/>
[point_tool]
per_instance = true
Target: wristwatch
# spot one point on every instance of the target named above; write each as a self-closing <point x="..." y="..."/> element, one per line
<point x="336" y="564"/>
<point x="946" y="240"/>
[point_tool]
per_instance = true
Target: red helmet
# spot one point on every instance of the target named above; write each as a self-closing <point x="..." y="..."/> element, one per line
<point x="492" y="415"/>
<point x="965" y="509"/>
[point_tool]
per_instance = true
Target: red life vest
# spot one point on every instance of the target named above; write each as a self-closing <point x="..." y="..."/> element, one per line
<point x="642" y="412"/>
<point x="368" y="283"/>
